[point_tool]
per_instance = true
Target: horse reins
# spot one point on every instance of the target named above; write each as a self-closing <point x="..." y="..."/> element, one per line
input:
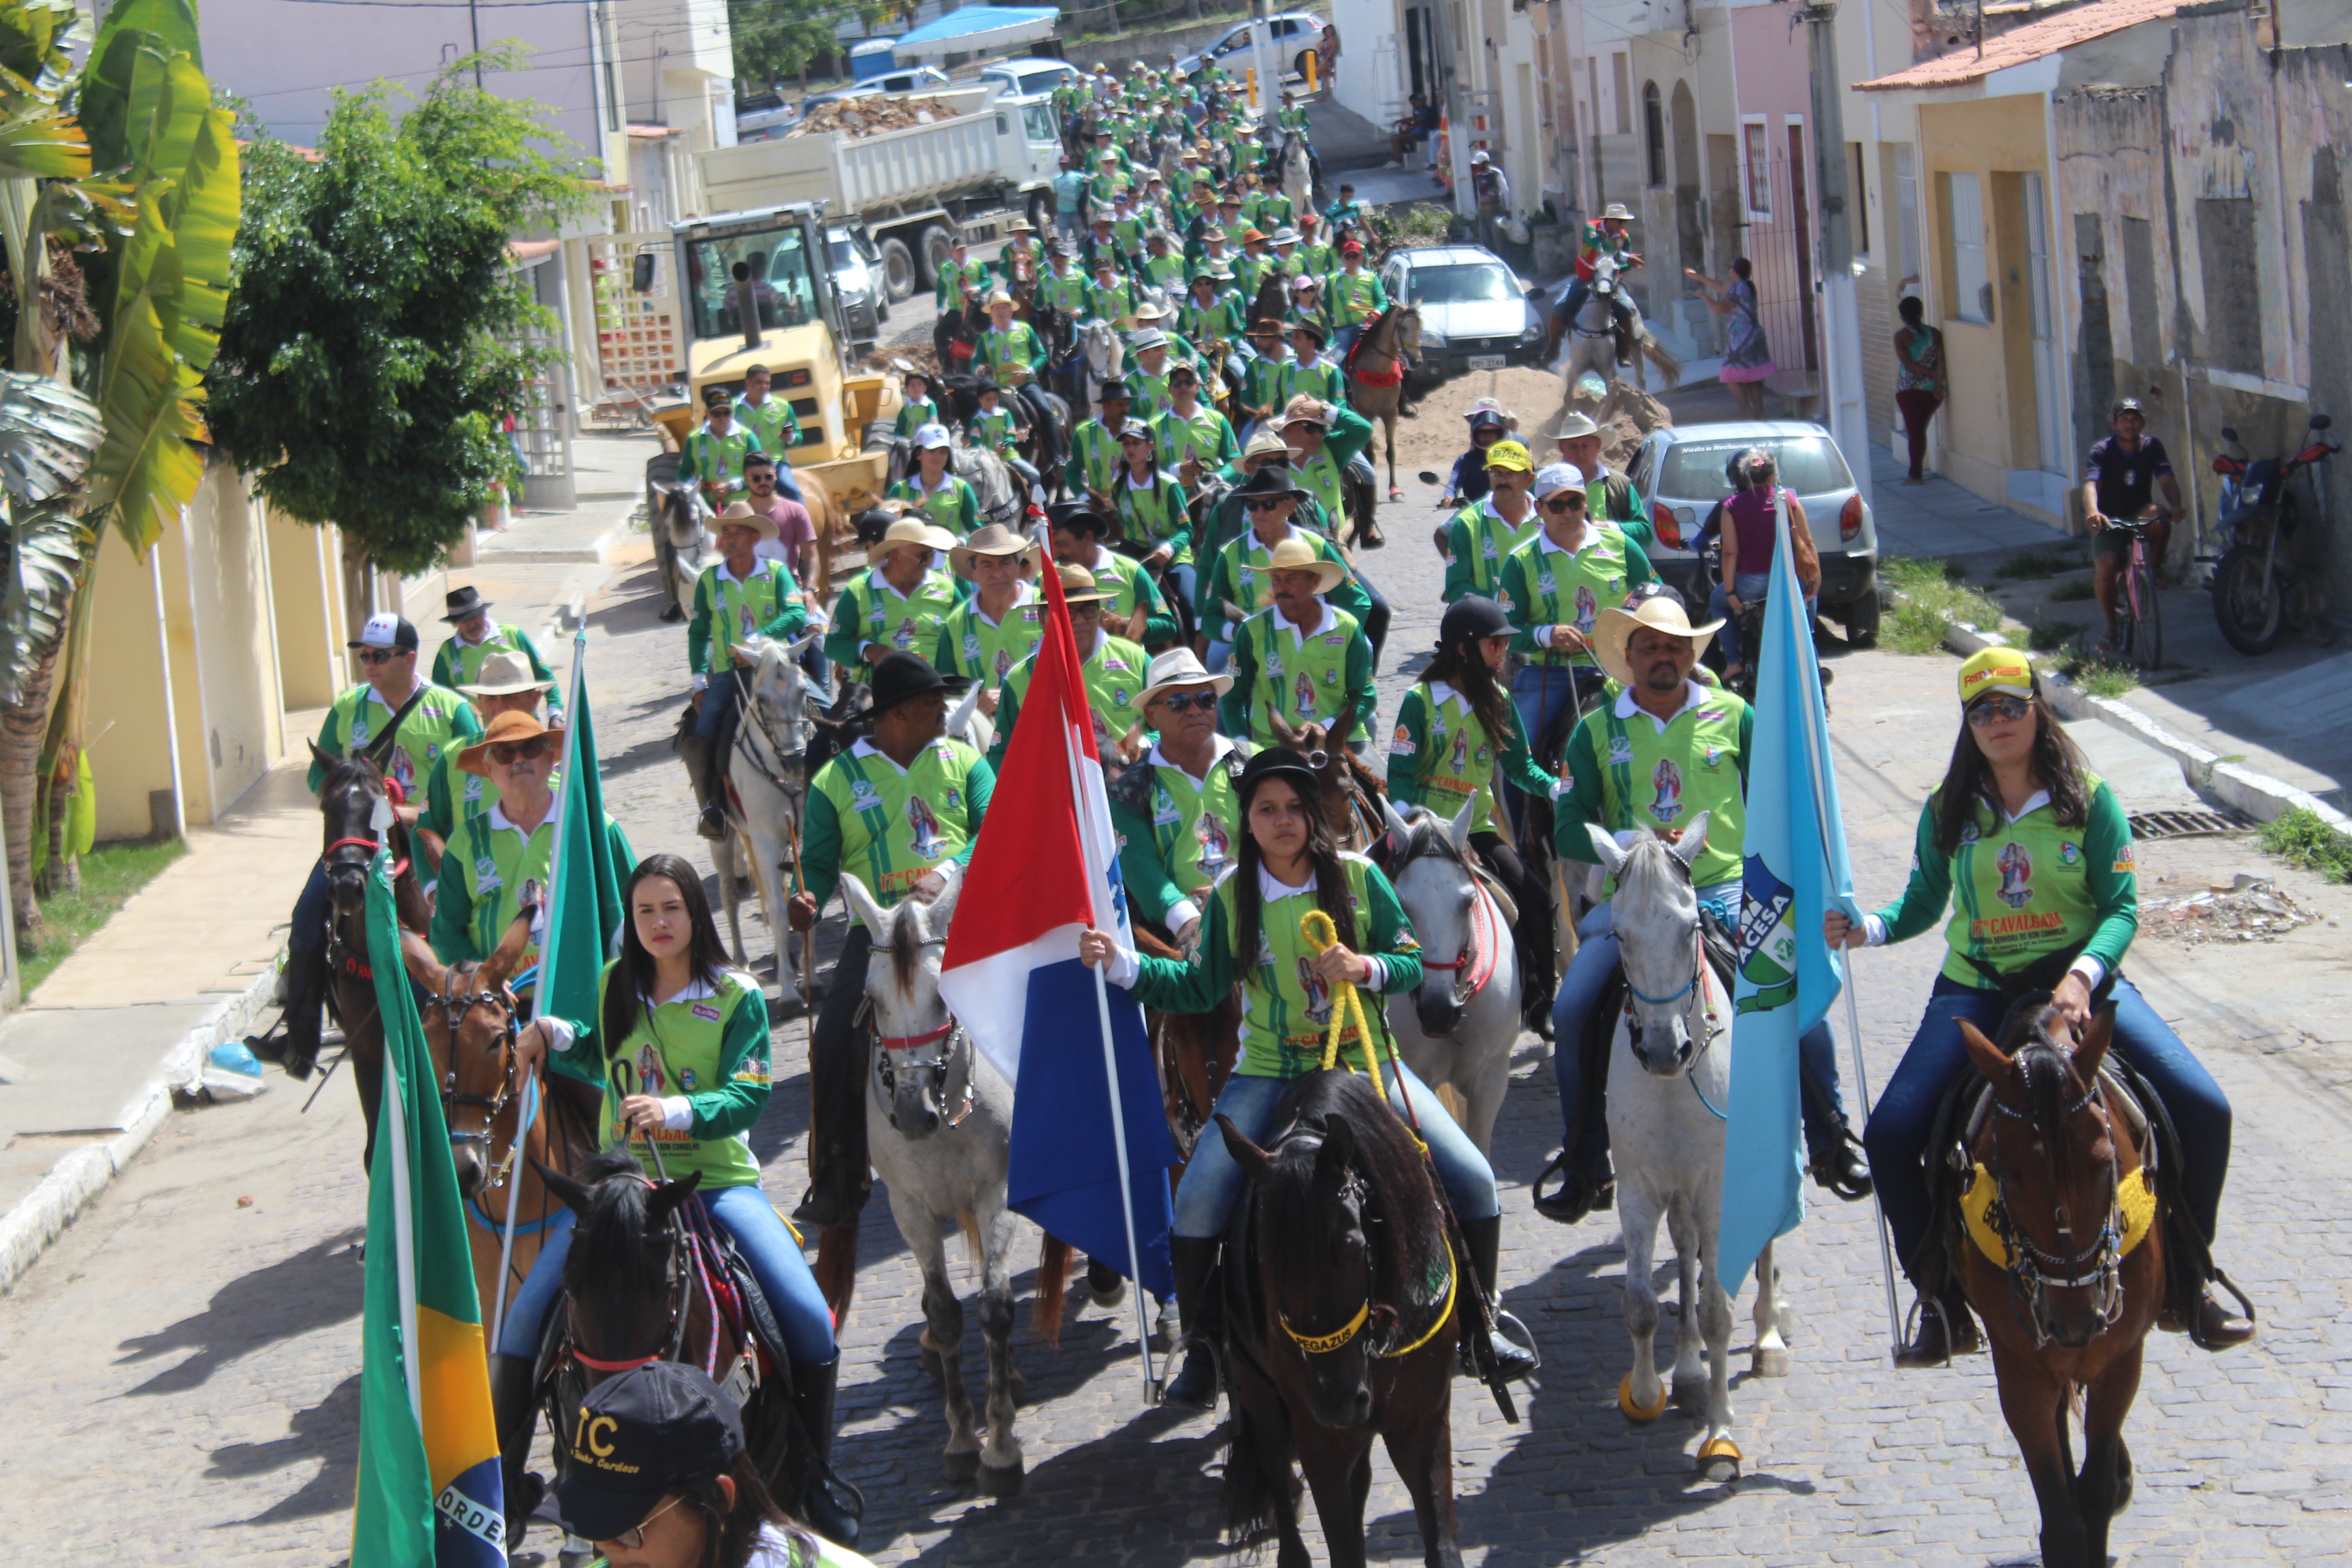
<point x="2030" y="1267"/>
<point x="1368" y="1311"/>
<point x="1691" y="988"/>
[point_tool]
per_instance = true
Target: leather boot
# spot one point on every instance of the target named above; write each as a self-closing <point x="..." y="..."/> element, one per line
<point x="2219" y="1326"/>
<point x="1196" y="1387"/>
<point x="1485" y="1239"/>
<point x="513" y="1415"/>
<point x="301" y="1019"/>
<point x="837" y="1513"/>
<point x="695" y="751"/>
<point x="1946" y="1329"/>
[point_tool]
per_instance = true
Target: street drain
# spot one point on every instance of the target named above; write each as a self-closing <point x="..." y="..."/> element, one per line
<point x="2147" y="825"/>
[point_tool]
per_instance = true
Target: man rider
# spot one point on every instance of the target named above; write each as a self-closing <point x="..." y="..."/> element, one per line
<point x="1001" y="624"/>
<point x="1611" y="497"/>
<point x="1112" y="666"/>
<point x="507" y="685"/>
<point x="474" y="639"/>
<point x="1353" y="297"/>
<point x="1094" y="447"/>
<point x="1485" y="532"/>
<point x="713" y="455"/>
<point x="898" y="604"/>
<point x="739" y="599"/>
<point x="1230" y="587"/>
<point x="1606" y="237"/>
<point x="1174" y="812"/>
<point x="2123" y="469"/>
<point x="1300" y="658"/>
<point x="1327" y="437"/>
<point x="1554" y="587"/>
<point x="958" y="275"/>
<point x="892" y="809"/>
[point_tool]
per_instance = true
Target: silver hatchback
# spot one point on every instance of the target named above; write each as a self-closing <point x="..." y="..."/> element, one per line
<point x="1682" y="472"/>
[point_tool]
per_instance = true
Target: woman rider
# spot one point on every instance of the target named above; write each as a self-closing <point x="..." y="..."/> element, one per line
<point x="680" y="1043"/>
<point x="1287" y="866"/>
<point x="2021" y="822"/>
<point x="1452" y="726"/>
<point x="1152" y="511"/>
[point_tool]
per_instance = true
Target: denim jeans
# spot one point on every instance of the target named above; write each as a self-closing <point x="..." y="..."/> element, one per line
<point x="1343" y="340"/>
<point x="786" y="484"/>
<point x="1213" y="1183"/>
<point x="308" y="934"/>
<point x="1588" y="974"/>
<point x="1541" y="691"/>
<point x="759" y="1234"/>
<point x="1907" y="1107"/>
<point x="1751" y="587"/>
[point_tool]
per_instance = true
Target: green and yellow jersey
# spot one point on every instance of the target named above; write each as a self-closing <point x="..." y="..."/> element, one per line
<point x="1442" y="756"/>
<point x="888" y="826"/>
<point x="1625" y="771"/>
<point x="441" y="722"/>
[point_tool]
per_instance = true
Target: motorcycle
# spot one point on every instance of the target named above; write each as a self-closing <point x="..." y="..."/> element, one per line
<point x="2265" y="577"/>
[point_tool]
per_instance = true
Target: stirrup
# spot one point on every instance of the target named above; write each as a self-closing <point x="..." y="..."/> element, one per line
<point x="1844" y="1169"/>
<point x="1912" y="1356"/>
<point x="1577" y="1196"/>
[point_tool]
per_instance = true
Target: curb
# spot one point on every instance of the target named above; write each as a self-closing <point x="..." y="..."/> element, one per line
<point x="42" y="1215"/>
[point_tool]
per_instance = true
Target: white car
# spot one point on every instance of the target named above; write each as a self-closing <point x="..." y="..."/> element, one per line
<point x="914" y="79"/>
<point x="1475" y="311"/>
<point x="1292" y="36"/>
<point x="1028" y="78"/>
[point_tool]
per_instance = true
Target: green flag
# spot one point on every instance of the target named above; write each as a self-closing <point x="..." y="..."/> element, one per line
<point x="583" y="881"/>
<point x="429" y="1489"/>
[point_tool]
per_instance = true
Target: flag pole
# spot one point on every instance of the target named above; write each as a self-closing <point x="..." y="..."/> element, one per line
<point x="1117" y="1104"/>
<point x="404" y="1217"/>
<point x="514" y="1195"/>
<point x="1787" y="566"/>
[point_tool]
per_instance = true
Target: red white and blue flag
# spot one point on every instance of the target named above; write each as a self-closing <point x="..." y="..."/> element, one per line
<point x="1046" y="868"/>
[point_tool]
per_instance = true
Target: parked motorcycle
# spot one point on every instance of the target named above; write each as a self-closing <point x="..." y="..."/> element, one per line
<point x="2267" y="579"/>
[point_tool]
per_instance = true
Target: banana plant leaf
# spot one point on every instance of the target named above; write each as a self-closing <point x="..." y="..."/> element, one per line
<point x="46" y="541"/>
<point x="48" y="434"/>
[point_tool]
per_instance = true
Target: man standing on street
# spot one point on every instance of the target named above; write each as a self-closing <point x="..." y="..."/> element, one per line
<point x="2125" y="470"/>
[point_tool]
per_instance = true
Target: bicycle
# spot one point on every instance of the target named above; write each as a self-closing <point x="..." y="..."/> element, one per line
<point x="2139" y="615"/>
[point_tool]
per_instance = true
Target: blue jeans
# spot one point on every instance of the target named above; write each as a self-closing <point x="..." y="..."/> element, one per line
<point x="759" y="1234"/>
<point x="787" y="485"/>
<point x="1589" y="973"/>
<point x="308" y="935"/>
<point x="1541" y="691"/>
<point x="1213" y="1183"/>
<point x="1343" y="340"/>
<point x="1751" y="587"/>
<point x="1220" y="654"/>
<point x="1899" y="1123"/>
<point x="715" y="722"/>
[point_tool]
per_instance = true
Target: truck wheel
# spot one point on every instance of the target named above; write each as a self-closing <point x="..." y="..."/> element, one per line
<point x="897" y="268"/>
<point x="931" y="253"/>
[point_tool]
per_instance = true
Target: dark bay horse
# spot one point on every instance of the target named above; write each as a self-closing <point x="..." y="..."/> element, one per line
<point x="2068" y="1307"/>
<point x="1354" y="797"/>
<point x="354" y="798"/>
<point x="1352" y="1331"/>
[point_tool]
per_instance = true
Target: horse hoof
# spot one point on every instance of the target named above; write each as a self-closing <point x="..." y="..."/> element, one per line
<point x="1006" y="1482"/>
<point x="1635" y="1413"/>
<point x="960" y="1467"/>
<point x="1770" y="1363"/>
<point x="1107" y="1299"/>
<point x="1719" y="1459"/>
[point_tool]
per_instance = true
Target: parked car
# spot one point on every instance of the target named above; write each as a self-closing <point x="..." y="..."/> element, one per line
<point x="1682" y="471"/>
<point x="857" y="277"/>
<point x="1475" y="311"/>
<point x="1293" y="34"/>
<point x="1031" y="78"/>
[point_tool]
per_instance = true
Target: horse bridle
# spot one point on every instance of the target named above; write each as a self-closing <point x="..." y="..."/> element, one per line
<point x="1460" y="966"/>
<point x="1385" y="1321"/>
<point x="796" y="730"/>
<point x="680" y="1287"/>
<point x="2032" y="1271"/>
<point x="455" y="1004"/>
<point x="959" y="1046"/>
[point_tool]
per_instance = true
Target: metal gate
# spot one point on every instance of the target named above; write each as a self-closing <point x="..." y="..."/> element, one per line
<point x="1777" y="239"/>
<point x="633" y="301"/>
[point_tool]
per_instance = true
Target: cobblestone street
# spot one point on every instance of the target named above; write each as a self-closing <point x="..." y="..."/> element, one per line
<point x="180" y="1373"/>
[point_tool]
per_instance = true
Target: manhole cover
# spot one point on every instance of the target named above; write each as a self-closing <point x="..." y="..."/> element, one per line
<point x="2146" y="825"/>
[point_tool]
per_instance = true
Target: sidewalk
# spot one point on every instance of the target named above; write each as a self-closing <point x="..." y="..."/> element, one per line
<point x="88" y="1069"/>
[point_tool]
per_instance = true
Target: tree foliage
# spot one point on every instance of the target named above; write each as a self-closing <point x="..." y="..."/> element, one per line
<point x="780" y="39"/>
<point x="372" y="347"/>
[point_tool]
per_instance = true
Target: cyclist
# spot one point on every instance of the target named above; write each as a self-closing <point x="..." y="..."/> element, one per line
<point x="2125" y="470"/>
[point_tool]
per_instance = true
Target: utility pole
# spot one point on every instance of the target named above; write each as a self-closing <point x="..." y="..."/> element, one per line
<point x="1841" y="316"/>
<point x="1265" y="63"/>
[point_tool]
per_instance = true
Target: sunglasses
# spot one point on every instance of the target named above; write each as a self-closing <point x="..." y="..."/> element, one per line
<point x="506" y="754"/>
<point x="1566" y="500"/>
<point x="1187" y="702"/>
<point x="761" y="477"/>
<point x="2008" y="709"/>
<point x="635" y="1538"/>
<point x="1270" y="505"/>
<point x="372" y="657"/>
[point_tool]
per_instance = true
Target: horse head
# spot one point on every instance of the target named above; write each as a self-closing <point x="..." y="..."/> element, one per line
<point x="922" y="1072"/>
<point x="355" y="807"/>
<point x="625" y="1275"/>
<point x="1655" y="910"/>
<point x="1429" y="863"/>
<point x="1106" y="353"/>
<point x="783" y="697"/>
<point x="2055" y="1154"/>
<point x="470" y="1019"/>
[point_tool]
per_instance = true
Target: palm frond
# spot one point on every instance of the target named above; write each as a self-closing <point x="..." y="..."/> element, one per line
<point x="48" y="434"/>
<point x="46" y="550"/>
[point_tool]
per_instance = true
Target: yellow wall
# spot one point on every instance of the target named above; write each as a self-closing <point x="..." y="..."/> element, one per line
<point x="306" y="588"/>
<point x="128" y="753"/>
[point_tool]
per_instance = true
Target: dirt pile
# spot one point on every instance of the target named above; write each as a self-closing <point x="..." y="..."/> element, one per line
<point x="2246" y="908"/>
<point x="869" y="116"/>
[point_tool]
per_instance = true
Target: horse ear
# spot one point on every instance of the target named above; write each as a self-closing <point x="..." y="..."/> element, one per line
<point x="1604" y="844"/>
<point x="501" y="965"/>
<point x="574" y="1194"/>
<point x="942" y="909"/>
<point x="1990" y="1059"/>
<point x="1255" y="1161"/>
<point x="959" y="716"/>
<point x="1459" y="828"/>
<point x="668" y="1196"/>
<point x="1694" y="839"/>
<point x="1399" y="829"/>
<point x="1339" y="1151"/>
<point x="2092" y="1050"/>
<point x="871" y="915"/>
<point x="325" y="759"/>
<point x="416" y="957"/>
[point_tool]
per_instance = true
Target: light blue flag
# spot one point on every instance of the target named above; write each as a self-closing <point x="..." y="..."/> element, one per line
<point x="1795" y="868"/>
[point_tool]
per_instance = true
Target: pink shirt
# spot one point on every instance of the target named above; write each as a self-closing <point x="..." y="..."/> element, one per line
<point x="793" y="529"/>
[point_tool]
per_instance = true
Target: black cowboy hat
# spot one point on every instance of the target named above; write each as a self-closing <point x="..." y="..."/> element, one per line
<point x="1471" y="616"/>
<point x="464" y="603"/>
<point x="1078" y="516"/>
<point x="1116" y="387"/>
<point x="903" y="677"/>
<point x="1276" y="761"/>
<point x="1312" y="328"/>
<point x="1271" y="479"/>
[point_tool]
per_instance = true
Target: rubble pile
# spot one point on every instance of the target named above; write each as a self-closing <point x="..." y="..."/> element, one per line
<point x="2246" y="908"/>
<point x="869" y="116"/>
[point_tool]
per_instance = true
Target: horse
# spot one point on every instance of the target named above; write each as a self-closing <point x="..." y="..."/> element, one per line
<point x="1610" y="334"/>
<point x="1667" y="1086"/>
<point x="355" y="805"/>
<point x="1354" y="797"/>
<point x="955" y="337"/>
<point x="1457" y="1030"/>
<point x="1375" y="368"/>
<point x="1102" y="356"/>
<point x="1341" y="1332"/>
<point x="679" y="518"/>
<point x="939" y="1119"/>
<point x="1004" y="498"/>
<point x="1296" y="160"/>
<point x="767" y="791"/>
<point x="2067" y="1319"/>
<point x="1041" y="423"/>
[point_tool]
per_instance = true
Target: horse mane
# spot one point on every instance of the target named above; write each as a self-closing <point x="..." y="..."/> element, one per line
<point x="1645" y="859"/>
<point x="2047" y="1070"/>
<point x="1410" y="1240"/>
<point x="609" y="1242"/>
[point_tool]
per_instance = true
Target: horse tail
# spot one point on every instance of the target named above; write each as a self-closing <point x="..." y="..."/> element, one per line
<point x="969" y="1222"/>
<point x="836" y="1269"/>
<point x="1053" y="1287"/>
<point x="1663" y="357"/>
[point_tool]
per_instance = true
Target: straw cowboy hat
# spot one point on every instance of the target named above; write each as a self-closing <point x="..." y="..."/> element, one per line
<point x="741" y="515"/>
<point x="503" y="675"/>
<point x="1305" y="409"/>
<point x="910" y="530"/>
<point x="1268" y="444"/>
<point x="1621" y="211"/>
<point x="994" y="540"/>
<point x="1664" y="614"/>
<point x="505" y="728"/>
<point x="1080" y="587"/>
<point x="1295" y="554"/>
<point x="1575" y="427"/>
<point x="1179" y="667"/>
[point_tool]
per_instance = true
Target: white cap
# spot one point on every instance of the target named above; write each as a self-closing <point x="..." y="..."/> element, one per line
<point x="1554" y="478"/>
<point x="929" y="435"/>
<point x="1479" y="156"/>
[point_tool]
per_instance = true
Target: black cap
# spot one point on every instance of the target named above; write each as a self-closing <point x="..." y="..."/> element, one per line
<point x="651" y="1431"/>
<point x="2123" y="406"/>
<point x="1115" y="387"/>
<point x="464" y="603"/>
<point x="717" y="397"/>
<point x="901" y="677"/>
<point x="1469" y="616"/>
<point x="1271" y="762"/>
<point x="1079" y="516"/>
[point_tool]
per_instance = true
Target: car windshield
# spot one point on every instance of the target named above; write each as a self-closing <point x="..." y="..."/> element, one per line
<point x="776" y="277"/>
<point x="1810" y="465"/>
<point x="838" y="252"/>
<point x="1036" y="83"/>
<point x="1466" y="283"/>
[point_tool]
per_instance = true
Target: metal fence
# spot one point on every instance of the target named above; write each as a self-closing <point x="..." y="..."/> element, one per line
<point x="1773" y="228"/>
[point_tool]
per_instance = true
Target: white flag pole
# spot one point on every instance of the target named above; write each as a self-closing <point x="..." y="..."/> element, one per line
<point x="1786" y="567"/>
<point x="1071" y="742"/>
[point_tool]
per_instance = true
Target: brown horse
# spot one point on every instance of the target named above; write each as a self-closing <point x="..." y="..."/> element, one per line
<point x="1353" y="792"/>
<point x="2060" y="1191"/>
<point x="1346" y="1327"/>
<point x="1376" y="373"/>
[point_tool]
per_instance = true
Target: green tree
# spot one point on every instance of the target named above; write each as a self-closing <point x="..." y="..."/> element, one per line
<point x="374" y="345"/>
<point x="780" y="39"/>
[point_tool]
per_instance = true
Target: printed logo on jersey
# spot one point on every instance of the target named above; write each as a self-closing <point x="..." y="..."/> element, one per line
<point x="1400" y="743"/>
<point x="2016" y="876"/>
<point x="1587" y="607"/>
<point x="1620" y="749"/>
<point x="1216" y="845"/>
<point x="1666" y="783"/>
<point x="2123" y="864"/>
<point x="926" y="842"/>
<point x="2069" y="852"/>
<point x="1318" y="989"/>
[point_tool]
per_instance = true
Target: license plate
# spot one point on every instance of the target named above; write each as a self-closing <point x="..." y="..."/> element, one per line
<point x="1486" y="362"/>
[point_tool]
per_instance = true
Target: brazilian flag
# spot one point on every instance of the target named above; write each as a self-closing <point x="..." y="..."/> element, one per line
<point x="429" y="1493"/>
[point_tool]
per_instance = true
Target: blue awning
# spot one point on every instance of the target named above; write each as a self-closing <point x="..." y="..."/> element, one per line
<point x="978" y="27"/>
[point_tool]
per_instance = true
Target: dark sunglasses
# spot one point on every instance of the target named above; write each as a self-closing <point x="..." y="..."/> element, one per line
<point x="1566" y="500"/>
<point x="759" y="475"/>
<point x="1187" y="702"/>
<point x="1985" y="711"/>
<point x="1259" y="505"/>
<point x="375" y="656"/>
<point x="506" y="754"/>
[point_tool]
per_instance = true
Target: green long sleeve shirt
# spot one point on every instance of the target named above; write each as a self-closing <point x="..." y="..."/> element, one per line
<point x="1582" y="799"/>
<point x="822" y="838"/>
<point x="1419" y="770"/>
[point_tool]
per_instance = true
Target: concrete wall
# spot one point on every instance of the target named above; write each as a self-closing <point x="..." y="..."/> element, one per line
<point x="130" y="751"/>
<point x="306" y="594"/>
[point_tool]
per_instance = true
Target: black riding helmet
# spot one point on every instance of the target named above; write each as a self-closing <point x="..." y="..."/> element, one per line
<point x="1484" y="420"/>
<point x="1277" y="762"/>
<point x="1469" y="618"/>
<point x="1080" y="517"/>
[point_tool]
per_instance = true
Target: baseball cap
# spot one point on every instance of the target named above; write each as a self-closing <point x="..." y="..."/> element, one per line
<point x="652" y="1430"/>
<point x="1553" y="477"/>
<point x="2001" y="670"/>
<point x="387" y="630"/>
<point x="929" y="435"/>
<point x="1511" y="454"/>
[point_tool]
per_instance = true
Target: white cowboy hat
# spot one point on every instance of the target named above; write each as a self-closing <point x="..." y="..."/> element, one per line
<point x="910" y="530"/>
<point x="1663" y="613"/>
<point x="993" y="539"/>
<point x="1619" y="211"/>
<point x="741" y="515"/>
<point x="1178" y="666"/>
<point x="503" y="675"/>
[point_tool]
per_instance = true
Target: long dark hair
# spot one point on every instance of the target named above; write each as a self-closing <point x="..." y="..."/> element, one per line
<point x="632" y="971"/>
<point x="1322" y="852"/>
<point x="2057" y="764"/>
<point x="730" y="1534"/>
<point x="1462" y="667"/>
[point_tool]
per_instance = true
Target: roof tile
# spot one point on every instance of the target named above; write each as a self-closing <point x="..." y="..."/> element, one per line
<point x="2021" y="45"/>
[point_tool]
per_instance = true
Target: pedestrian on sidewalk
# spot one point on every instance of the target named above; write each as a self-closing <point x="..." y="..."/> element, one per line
<point x="1919" y="379"/>
<point x="1747" y="356"/>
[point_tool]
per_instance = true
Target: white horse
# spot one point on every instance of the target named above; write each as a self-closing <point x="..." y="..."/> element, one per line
<point x="1457" y="1030"/>
<point x="1593" y="336"/>
<point x="1669" y="1078"/>
<point x="1102" y="356"/>
<point x="767" y="789"/>
<point x="1298" y="174"/>
<point x="937" y="1122"/>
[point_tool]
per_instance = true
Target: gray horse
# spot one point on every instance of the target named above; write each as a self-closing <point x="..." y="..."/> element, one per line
<point x="1455" y="1032"/>
<point x="939" y="1118"/>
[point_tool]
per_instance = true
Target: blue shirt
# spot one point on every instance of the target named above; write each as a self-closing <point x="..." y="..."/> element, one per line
<point x="1069" y="189"/>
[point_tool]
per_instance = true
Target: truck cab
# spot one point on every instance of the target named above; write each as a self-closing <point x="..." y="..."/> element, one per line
<point x="779" y="310"/>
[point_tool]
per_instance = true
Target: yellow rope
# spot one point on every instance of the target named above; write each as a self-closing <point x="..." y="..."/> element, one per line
<point x="1315" y="929"/>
